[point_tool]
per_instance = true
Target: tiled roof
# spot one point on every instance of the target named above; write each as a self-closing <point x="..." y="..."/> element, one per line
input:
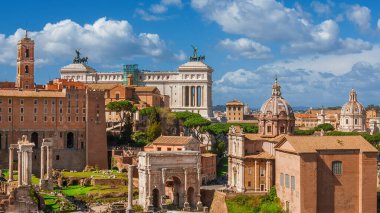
<point x="32" y="93"/>
<point x="311" y="144"/>
<point x="103" y="86"/>
<point x="145" y="89"/>
<point x="234" y="102"/>
<point x="305" y="115"/>
<point x="261" y="155"/>
<point x="173" y="140"/>
<point x="259" y="137"/>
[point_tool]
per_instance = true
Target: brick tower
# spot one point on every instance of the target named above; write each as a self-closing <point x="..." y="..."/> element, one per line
<point x="25" y="63"/>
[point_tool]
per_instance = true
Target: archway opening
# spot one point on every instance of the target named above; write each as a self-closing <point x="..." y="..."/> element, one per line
<point x="70" y="140"/>
<point x="156" y="199"/>
<point x="190" y="197"/>
<point x="174" y="191"/>
<point x="34" y="139"/>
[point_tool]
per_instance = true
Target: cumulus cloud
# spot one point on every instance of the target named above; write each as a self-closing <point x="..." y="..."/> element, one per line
<point x="360" y="16"/>
<point x="245" y="48"/>
<point x="104" y="41"/>
<point x="300" y="87"/>
<point x="321" y="8"/>
<point x="156" y="11"/>
<point x="270" y="20"/>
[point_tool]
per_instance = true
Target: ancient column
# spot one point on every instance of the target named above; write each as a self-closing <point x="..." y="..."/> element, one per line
<point x="29" y="167"/>
<point x="42" y="163"/>
<point x="48" y="162"/>
<point x="267" y="175"/>
<point x="130" y="188"/>
<point x="10" y="164"/>
<point x="19" y="179"/>
<point x="189" y="96"/>
<point x="255" y="173"/>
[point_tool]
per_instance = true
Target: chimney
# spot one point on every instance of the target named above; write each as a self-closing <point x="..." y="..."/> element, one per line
<point x="130" y="80"/>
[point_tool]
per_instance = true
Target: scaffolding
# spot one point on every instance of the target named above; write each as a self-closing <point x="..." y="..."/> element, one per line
<point x="131" y="69"/>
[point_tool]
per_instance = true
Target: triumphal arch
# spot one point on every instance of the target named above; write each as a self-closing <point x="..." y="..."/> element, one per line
<point x="170" y="179"/>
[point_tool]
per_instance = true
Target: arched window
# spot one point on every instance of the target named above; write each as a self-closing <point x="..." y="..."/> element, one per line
<point x="26" y="69"/>
<point x="117" y="96"/>
<point x="337" y="167"/>
<point x="34" y="139"/>
<point x="70" y="140"/>
<point x="27" y="53"/>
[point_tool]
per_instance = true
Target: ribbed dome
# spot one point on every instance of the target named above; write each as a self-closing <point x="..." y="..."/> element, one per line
<point x="353" y="107"/>
<point x="276" y="104"/>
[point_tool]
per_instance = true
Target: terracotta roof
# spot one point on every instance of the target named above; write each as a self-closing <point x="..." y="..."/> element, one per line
<point x="261" y="155"/>
<point x="32" y="93"/>
<point x="259" y="137"/>
<point x="234" y="102"/>
<point x="103" y="86"/>
<point x="305" y="115"/>
<point x="145" y="89"/>
<point x="173" y="140"/>
<point x="208" y="155"/>
<point x="311" y="144"/>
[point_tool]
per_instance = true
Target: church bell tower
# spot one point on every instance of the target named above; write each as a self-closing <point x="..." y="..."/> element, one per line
<point x="25" y="63"/>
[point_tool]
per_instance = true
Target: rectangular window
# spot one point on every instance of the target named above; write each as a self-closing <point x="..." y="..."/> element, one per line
<point x="169" y="149"/>
<point x="269" y="128"/>
<point x="84" y="119"/>
<point x="60" y="102"/>
<point x="356" y="121"/>
<point x="68" y="110"/>
<point x="22" y="118"/>
<point x="77" y="110"/>
<point x="45" y="101"/>
<point x="179" y="149"/>
<point x="249" y="183"/>
<point x="0" y="110"/>
<point x="293" y="182"/>
<point x="282" y="179"/>
<point x="9" y="101"/>
<point x="337" y="167"/>
<point x="77" y="119"/>
<point x="1" y="101"/>
<point x="158" y="148"/>
<point x="52" y="102"/>
<point x="84" y="110"/>
<point x="9" y="118"/>
<point x="45" y="118"/>
<point x="21" y="101"/>
<point x="22" y="110"/>
<point x="35" y="110"/>
<point x="287" y="181"/>
<point x="60" y="119"/>
<point x="53" y="118"/>
<point x="35" y="101"/>
<point x="262" y="171"/>
<point x="45" y="110"/>
<point x="9" y="110"/>
<point x="35" y="119"/>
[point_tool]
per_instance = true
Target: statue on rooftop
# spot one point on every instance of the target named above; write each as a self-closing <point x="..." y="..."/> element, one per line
<point x="78" y="60"/>
<point x="195" y="56"/>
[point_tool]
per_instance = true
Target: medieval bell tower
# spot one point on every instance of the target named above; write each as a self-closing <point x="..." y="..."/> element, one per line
<point x="25" y="63"/>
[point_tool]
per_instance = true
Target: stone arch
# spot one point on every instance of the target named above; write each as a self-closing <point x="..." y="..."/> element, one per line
<point x="156" y="198"/>
<point x="190" y="196"/>
<point x="34" y="139"/>
<point x="70" y="140"/>
<point x="174" y="190"/>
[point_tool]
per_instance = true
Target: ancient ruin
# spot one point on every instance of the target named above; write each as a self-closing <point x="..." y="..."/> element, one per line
<point x="170" y="178"/>
<point x="46" y="158"/>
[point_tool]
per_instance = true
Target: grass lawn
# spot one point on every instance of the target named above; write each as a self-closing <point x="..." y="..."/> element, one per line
<point x="222" y="168"/>
<point x="96" y="193"/>
<point x="94" y="174"/>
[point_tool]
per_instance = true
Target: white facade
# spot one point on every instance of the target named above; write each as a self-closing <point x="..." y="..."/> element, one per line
<point x="353" y="115"/>
<point x="188" y="89"/>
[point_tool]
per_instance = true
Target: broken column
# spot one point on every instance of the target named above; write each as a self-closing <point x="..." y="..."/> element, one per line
<point x="25" y="149"/>
<point x="45" y="181"/>
<point x="130" y="188"/>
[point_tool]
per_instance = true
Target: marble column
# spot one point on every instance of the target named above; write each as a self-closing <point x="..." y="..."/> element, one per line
<point x="10" y="164"/>
<point x="29" y="168"/>
<point x="130" y="188"/>
<point x="48" y="162"/>
<point x="42" y="162"/>
<point x="19" y="179"/>
<point x="255" y="173"/>
<point x="267" y="175"/>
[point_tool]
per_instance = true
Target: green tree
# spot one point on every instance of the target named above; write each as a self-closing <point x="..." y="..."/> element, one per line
<point x="125" y="109"/>
<point x="326" y="127"/>
<point x="140" y="138"/>
<point x="153" y="131"/>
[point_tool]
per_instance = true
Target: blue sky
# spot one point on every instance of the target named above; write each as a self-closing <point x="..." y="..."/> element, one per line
<point x="318" y="49"/>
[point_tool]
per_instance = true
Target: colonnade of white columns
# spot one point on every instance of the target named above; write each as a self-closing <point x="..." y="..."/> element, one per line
<point x="193" y="96"/>
<point x="24" y="154"/>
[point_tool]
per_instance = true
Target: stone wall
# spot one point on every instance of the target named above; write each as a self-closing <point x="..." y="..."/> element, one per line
<point x="108" y="182"/>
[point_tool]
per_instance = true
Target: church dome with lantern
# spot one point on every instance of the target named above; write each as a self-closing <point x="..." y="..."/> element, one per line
<point x="353" y="115"/>
<point x="276" y="114"/>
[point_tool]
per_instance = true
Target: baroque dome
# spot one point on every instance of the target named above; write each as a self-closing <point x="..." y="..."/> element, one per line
<point x="276" y="105"/>
<point x="353" y="106"/>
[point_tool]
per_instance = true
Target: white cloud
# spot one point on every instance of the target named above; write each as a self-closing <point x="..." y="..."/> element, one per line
<point x="378" y="24"/>
<point x="146" y="16"/>
<point x="104" y="41"/>
<point x="181" y="56"/>
<point x="177" y="3"/>
<point x="246" y="48"/>
<point x="360" y="16"/>
<point x="320" y="8"/>
<point x="301" y="87"/>
<point x="158" y="8"/>
<point x="270" y="20"/>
